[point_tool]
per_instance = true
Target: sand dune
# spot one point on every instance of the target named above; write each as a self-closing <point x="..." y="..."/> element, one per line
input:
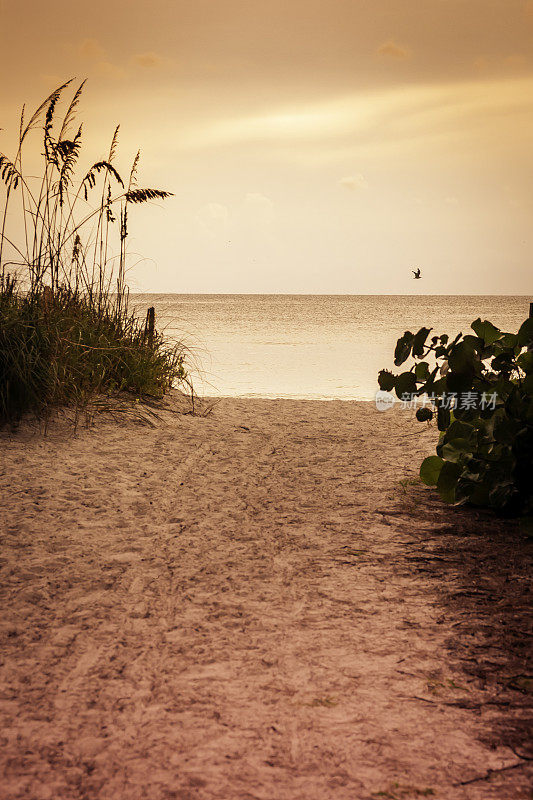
<point x="242" y="605"/>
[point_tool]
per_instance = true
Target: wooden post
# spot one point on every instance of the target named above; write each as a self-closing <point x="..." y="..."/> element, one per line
<point x="149" y="328"/>
<point x="47" y="298"/>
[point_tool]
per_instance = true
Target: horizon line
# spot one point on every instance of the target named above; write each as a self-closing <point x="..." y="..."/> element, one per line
<point x="325" y="294"/>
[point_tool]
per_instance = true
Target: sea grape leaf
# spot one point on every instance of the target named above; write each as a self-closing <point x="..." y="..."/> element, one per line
<point x="502" y="494"/>
<point x="419" y="341"/>
<point x="422" y="371"/>
<point x="454" y="450"/>
<point x="525" y="362"/>
<point x="459" y="382"/>
<point x="479" y="496"/>
<point x="424" y="414"/>
<point x="430" y="470"/>
<point x="486" y="330"/>
<point x="508" y="341"/>
<point x="447" y="481"/>
<point x="459" y="430"/>
<point x="502" y="362"/>
<point x="473" y="342"/>
<point x="386" y="380"/>
<point x="463" y="490"/>
<point x="463" y="356"/>
<point x="405" y="384"/>
<point x="443" y="418"/>
<point x="525" y="333"/>
<point x="435" y="387"/>
<point x="505" y="429"/>
<point x="403" y="348"/>
<point x="527" y="384"/>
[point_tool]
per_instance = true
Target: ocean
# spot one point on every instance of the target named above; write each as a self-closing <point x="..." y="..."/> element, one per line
<point x="309" y="346"/>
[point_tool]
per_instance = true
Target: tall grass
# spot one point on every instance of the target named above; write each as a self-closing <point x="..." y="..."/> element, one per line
<point x="66" y="331"/>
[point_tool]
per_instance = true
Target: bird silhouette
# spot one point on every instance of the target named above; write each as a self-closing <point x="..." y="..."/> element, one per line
<point x="417" y="274"/>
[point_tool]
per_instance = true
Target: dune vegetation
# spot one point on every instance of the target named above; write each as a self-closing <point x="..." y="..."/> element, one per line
<point x="67" y="333"/>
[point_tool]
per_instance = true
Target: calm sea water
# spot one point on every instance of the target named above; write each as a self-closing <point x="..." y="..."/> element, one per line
<point x="310" y="346"/>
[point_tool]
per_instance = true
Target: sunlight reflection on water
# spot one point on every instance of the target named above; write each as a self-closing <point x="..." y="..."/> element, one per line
<point x="310" y="346"/>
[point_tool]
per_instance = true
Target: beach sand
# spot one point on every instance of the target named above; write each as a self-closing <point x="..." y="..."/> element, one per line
<point x="249" y="604"/>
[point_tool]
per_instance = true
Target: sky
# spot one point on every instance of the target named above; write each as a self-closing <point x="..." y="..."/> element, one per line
<point x="312" y="146"/>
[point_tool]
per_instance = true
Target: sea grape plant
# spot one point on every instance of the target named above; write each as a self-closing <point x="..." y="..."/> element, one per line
<point x="479" y="388"/>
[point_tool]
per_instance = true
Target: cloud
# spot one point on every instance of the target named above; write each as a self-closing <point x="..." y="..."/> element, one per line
<point x="92" y="50"/>
<point x="216" y="212"/>
<point x="392" y="50"/>
<point x="108" y="70"/>
<point x="256" y="200"/>
<point x="482" y="63"/>
<point x="50" y="79"/>
<point x="148" y="60"/>
<point x="220" y="223"/>
<point x="354" y="182"/>
<point x="258" y="210"/>
<point x="351" y="127"/>
<point x="516" y="61"/>
<point x="212" y="220"/>
<point x="513" y="62"/>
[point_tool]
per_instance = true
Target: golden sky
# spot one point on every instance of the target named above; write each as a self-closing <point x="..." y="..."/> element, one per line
<point x="312" y="146"/>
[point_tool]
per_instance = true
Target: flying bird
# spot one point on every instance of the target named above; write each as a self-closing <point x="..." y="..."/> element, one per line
<point x="417" y="274"/>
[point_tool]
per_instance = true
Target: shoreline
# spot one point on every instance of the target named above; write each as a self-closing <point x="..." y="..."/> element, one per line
<point x="260" y="602"/>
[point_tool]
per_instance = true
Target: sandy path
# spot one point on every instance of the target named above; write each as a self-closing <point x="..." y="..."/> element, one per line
<point x="229" y="607"/>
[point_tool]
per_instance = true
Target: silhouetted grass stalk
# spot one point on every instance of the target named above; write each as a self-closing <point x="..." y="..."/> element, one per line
<point x="66" y="332"/>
